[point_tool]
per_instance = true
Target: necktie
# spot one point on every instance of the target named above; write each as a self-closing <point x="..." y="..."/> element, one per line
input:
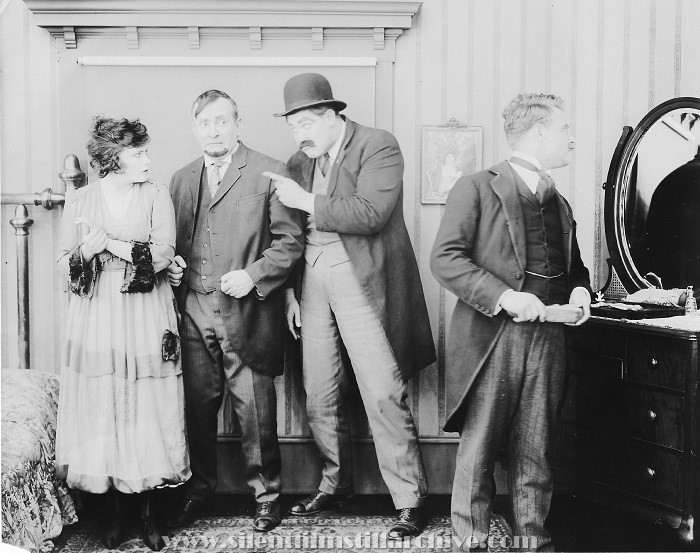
<point x="215" y="177"/>
<point x="325" y="164"/>
<point x="545" y="186"/>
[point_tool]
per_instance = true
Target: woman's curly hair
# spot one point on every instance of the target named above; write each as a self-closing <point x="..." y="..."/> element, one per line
<point x="108" y="137"/>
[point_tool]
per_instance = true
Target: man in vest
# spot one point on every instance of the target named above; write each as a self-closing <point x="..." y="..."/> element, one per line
<point x="506" y="247"/>
<point x="238" y="245"/>
<point x="359" y="284"/>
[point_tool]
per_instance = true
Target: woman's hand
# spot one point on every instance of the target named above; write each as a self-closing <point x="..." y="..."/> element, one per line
<point x="95" y="242"/>
<point x="176" y="270"/>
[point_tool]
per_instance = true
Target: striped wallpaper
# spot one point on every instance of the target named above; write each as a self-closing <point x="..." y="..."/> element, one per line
<point x="611" y="61"/>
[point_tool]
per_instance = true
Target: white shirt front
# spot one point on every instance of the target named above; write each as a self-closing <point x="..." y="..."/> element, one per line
<point x="225" y="162"/>
<point x="333" y="152"/>
<point x="531" y="178"/>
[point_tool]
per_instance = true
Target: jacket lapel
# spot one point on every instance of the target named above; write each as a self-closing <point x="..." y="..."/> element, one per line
<point x="349" y="131"/>
<point x="233" y="173"/>
<point x="567" y="223"/>
<point x="194" y="183"/>
<point x="504" y="186"/>
<point x="307" y="172"/>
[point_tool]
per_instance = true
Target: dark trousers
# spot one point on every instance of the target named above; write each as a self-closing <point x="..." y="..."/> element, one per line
<point x="209" y="364"/>
<point x="513" y="402"/>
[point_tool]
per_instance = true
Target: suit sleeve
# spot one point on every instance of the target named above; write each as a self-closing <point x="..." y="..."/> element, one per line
<point x="578" y="274"/>
<point x="277" y="262"/>
<point x="451" y="258"/>
<point x="378" y="188"/>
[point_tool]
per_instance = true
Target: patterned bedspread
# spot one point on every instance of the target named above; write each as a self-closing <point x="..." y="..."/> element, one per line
<point x="35" y="507"/>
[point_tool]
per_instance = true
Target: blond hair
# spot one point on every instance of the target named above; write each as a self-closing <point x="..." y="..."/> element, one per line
<point x="526" y="110"/>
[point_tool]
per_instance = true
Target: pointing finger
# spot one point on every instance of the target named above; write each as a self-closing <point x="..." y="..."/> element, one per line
<point x="274" y="176"/>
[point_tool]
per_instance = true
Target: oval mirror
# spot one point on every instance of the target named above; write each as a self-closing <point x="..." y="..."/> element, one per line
<point x="652" y="199"/>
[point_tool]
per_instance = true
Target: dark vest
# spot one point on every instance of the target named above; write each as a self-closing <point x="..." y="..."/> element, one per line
<point x="201" y="269"/>
<point x="545" y="247"/>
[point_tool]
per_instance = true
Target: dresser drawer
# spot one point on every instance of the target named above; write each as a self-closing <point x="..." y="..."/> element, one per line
<point x="623" y="464"/>
<point x="659" y="361"/>
<point x="622" y="407"/>
<point x="594" y="364"/>
<point x="653" y="416"/>
<point x="594" y="339"/>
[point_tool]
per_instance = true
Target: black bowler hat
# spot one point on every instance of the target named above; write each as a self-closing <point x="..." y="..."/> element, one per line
<point x="308" y="90"/>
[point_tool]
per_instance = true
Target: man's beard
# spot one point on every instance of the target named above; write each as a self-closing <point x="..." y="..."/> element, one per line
<point x="221" y="152"/>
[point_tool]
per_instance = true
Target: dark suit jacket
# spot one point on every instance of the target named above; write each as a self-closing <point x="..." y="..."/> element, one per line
<point x="364" y="205"/>
<point x="256" y="233"/>
<point x="478" y="254"/>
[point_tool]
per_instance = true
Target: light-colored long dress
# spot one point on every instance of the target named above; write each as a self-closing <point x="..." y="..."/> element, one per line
<point x="121" y="408"/>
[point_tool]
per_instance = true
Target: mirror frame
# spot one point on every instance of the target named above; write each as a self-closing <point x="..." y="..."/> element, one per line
<point x="616" y="188"/>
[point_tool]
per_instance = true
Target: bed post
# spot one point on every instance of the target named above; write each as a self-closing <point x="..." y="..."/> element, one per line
<point x="72" y="178"/>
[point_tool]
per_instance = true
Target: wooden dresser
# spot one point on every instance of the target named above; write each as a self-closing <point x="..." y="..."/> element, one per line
<point x="628" y="434"/>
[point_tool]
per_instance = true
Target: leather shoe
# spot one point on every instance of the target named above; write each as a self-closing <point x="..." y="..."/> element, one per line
<point x="267" y="516"/>
<point x="113" y="535"/>
<point x="114" y="531"/>
<point x="185" y="514"/>
<point x="410" y="522"/>
<point x="317" y="502"/>
<point x="152" y="536"/>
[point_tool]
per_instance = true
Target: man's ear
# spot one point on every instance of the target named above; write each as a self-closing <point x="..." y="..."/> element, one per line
<point x="539" y="133"/>
<point x="240" y="124"/>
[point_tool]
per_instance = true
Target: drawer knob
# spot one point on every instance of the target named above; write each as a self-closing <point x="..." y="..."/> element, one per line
<point x="651" y="416"/>
<point x="649" y="473"/>
<point x="654" y="362"/>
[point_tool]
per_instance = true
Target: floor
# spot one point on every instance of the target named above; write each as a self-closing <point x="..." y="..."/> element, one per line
<point x="575" y="524"/>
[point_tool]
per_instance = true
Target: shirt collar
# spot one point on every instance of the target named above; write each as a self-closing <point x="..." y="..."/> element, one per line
<point x="526" y="157"/>
<point x="226" y="160"/>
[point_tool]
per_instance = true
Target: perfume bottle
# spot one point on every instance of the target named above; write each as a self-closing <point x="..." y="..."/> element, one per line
<point x="691" y="306"/>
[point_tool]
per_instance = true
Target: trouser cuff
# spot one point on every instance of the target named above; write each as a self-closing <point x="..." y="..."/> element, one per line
<point x="335" y="490"/>
<point x="408" y="502"/>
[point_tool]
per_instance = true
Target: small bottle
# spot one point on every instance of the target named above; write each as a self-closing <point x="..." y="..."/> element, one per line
<point x="691" y="306"/>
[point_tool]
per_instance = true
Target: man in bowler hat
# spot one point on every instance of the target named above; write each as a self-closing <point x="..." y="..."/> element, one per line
<point x="237" y="245"/>
<point x="506" y="247"/>
<point x="359" y="283"/>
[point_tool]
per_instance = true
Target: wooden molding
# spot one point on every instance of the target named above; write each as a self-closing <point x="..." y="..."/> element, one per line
<point x="193" y="37"/>
<point x="223" y="13"/>
<point x="379" y="38"/>
<point x="227" y="61"/>
<point x="69" y="37"/>
<point x="317" y="38"/>
<point x="255" y="38"/>
<point x="132" y="38"/>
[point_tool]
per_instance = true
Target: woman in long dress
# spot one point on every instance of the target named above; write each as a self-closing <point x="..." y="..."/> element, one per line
<point x="121" y="423"/>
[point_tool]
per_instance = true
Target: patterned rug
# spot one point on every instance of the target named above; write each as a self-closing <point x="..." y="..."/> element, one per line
<point x="324" y="533"/>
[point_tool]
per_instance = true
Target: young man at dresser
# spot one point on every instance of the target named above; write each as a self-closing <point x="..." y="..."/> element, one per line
<point x="239" y="246"/>
<point x="359" y="283"/>
<point x="506" y="247"/>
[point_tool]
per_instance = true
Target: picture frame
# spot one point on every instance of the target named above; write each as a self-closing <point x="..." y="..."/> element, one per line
<point x="448" y="151"/>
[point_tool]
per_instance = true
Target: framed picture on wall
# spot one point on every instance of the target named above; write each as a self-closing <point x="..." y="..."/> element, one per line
<point x="447" y="152"/>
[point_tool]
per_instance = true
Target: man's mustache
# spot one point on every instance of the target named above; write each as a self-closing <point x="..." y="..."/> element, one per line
<point x="307" y="143"/>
